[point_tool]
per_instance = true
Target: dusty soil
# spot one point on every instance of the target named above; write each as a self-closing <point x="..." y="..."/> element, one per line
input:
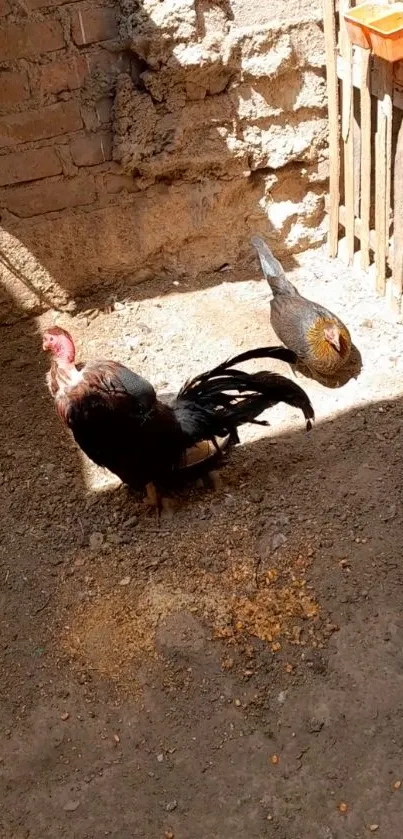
<point x="237" y="672"/>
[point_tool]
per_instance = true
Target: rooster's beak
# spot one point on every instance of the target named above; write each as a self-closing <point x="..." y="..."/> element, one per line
<point x="333" y="337"/>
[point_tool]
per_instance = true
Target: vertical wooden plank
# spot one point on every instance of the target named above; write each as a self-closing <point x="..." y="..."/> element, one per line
<point x="365" y="110"/>
<point x="380" y="197"/>
<point x="395" y="284"/>
<point x="388" y="106"/>
<point x="357" y="151"/>
<point x="347" y="131"/>
<point x="329" y="21"/>
<point x="382" y="178"/>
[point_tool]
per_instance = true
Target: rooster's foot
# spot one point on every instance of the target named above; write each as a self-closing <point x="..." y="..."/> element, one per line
<point x="167" y="508"/>
<point x="212" y="481"/>
<point x="163" y="506"/>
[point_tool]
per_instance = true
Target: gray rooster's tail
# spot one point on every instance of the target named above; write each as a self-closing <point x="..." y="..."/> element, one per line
<point x="272" y="269"/>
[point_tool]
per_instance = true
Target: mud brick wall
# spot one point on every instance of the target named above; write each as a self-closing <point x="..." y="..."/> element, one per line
<point x="154" y="137"/>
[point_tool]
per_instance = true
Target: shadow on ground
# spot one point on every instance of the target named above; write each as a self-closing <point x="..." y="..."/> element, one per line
<point x="144" y="692"/>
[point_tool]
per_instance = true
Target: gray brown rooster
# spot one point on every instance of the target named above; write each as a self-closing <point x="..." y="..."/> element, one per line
<point x="319" y="339"/>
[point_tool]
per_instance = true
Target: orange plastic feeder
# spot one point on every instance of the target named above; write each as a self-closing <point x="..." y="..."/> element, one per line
<point x="356" y="20"/>
<point x="386" y="35"/>
<point x="377" y="26"/>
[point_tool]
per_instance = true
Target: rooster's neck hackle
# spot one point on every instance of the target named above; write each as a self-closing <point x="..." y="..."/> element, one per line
<point x="321" y="345"/>
<point x="67" y="352"/>
<point x="62" y="376"/>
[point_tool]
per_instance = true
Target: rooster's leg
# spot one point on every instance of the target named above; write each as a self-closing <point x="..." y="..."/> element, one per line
<point x="155" y="499"/>
<point x="167" y="509"/>
<point x="152" y="495"/>
<point x="216" y="447"/>
<point x="212" y="481"/>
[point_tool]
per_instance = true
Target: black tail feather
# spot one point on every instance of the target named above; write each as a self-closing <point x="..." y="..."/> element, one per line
<point x="217" y="402"/>
<point x="290" y="393"/>
<point x="279" y="352"/>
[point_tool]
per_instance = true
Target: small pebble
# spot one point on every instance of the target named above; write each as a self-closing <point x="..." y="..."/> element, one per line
<point x="125" y="581"/>
<point x="171" y="806"/>
<point x="238" y="703"/>
<point x="315" y="725"/>
<point x="96" y="540"/>
<point x="115" y="538"/>
<point x="160" y="758"/>
<point x="71" y="806"/>
<point x="64" y="716"/>
<point x="373" y="827"/>
<point x="278" y="540"/>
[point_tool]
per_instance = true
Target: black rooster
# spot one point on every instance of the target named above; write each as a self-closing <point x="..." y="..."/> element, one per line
<point x="118" y="421"/>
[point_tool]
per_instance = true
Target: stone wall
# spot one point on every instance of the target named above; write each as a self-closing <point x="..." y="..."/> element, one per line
<point x="154" y="136"/>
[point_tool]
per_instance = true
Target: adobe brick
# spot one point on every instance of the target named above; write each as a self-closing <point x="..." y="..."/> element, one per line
<point x="33" y="5"/>
<point x="48" y="196"/>
<point x="91" y="149"/>
<point x="104" y="110"/>
<point x="5" y="8"/>
<point x="69" y="168"/>
<point x="13" y="88"/>
<point x="30" y="39"/>
<point x="28" y="166"/>
<point x="90" y="119"/>
<point x="89" y="25"/>
<point x="111" y="63"/>
<point x="39" y="125"/>
<point x="115" y="183"/>
<point x="63" y="75"/>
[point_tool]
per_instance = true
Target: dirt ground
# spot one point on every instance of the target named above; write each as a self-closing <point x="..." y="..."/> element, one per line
<point x="236" y="673"/>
